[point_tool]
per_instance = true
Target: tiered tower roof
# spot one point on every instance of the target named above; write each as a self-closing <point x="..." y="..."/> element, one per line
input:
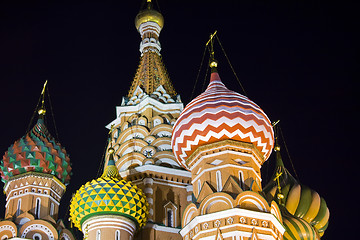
<point x="151" y="77"/>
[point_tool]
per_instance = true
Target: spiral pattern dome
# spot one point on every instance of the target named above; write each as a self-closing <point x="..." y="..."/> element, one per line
<point x="297" y="228"/>
<point x="220" y="114"/>
<point x="299" y="200"/>
<point x="37" y="151"/>
<point x="109" y="195"/>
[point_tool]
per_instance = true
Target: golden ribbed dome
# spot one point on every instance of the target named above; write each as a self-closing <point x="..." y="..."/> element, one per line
<point x="149" y="15"/>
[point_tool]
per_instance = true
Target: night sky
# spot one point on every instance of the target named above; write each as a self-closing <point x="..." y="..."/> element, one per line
<point x="296" y="60"/>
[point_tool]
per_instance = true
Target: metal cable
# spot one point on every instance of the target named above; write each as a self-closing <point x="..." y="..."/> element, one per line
<point x="198" y="74"/>
<point x="243" y="89"/>
<point x="204" y="82"/>
<point x="33" y="115"/>
<point x="52" y="115"/>
<point x="288" y="153"/>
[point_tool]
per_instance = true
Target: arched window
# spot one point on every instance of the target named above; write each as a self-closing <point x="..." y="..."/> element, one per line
<point x="170" y="214"/>
<point x="52" y="207"/>
<point x="199" y="186"/>
<point x="18" y="210"/>
<point x="241" y="180"/>
<point x="117" y="235"/>
<point x="37" y="236"/>
<point x="170" y="218"/>
<point x="218" y="181"/>
<point x="37" y="208"/>
<point x="98" y="235"/>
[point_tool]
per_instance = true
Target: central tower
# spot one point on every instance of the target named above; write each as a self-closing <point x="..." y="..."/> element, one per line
<point x="141" y="135"/>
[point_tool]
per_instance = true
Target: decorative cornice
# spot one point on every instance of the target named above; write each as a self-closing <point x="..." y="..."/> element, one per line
<point x="34" y="174"/>
<point x="232" y="217"/>
<point x="232" y="145"/>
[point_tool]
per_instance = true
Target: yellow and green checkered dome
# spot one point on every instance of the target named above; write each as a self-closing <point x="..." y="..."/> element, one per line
<point x="109" y="195"/>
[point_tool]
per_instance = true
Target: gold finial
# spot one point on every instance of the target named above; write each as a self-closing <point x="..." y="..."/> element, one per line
<point x="111" y="150"/>
<point x="277" y="148"/>
<point x="213" y="62"/>
<point x="42" y="109"/>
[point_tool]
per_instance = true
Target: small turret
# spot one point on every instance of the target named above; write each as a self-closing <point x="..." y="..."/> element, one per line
<point x="35" y="170"/>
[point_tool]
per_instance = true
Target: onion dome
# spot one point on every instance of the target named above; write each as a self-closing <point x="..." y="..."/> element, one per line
<point x="37" y="151"/>
<point x="299" y="200"/>
<point x="109" y="195"/>
<point x="149" y="15"/>
<point x="220" y="114"/>
<point x="297" y="228"/>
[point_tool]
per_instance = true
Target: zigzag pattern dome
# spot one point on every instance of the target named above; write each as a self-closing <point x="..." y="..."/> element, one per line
<point x="220" y="114"/>
<point x="109" y="195"/>
<point x="37" y="151"/>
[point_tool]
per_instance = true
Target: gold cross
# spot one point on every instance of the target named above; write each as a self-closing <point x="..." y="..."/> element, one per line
<point x="111" y="128"/>
<point x="278" y="174"/>
<point x="211" y="37"/>
<point x="43" y="90"/>
<point x="277" y="178"/>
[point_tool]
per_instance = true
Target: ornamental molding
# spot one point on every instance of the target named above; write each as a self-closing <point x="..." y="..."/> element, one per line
<point x="156" y="169"/>
<point x="221" y="147"/>
<point x="9" y="228"/>
<point x="203" y="171"/>
<point x="109" y="221"/>
<point x="38" y="227"/>
<point x="41" y="176"/>
<point x="234" y="216"/>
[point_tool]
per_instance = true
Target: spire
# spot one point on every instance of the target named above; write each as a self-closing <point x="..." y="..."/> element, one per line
<point x="110" y="170"/>
<point x="151" y="73"/>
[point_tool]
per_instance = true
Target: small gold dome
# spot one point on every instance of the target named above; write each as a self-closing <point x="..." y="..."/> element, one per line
<point x="149" y="15"/>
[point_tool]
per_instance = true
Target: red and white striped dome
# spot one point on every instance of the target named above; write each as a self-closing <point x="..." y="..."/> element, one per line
<point x="220" y="114"/>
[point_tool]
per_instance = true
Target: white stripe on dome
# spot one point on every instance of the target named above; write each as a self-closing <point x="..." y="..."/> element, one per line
<point x="216" y="123"/>
<point x="230" y="122"/>
<point x="214" y="111"/>
<point x="225" y="94"/>
<point x="223" y="132"/>
<point x="195" y="114"/>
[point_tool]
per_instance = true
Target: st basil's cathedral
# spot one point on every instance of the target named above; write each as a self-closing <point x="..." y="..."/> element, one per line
<point x="170" y="172"/>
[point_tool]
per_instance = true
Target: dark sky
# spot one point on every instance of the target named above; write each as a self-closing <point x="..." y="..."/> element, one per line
<point x="296" y="60"/>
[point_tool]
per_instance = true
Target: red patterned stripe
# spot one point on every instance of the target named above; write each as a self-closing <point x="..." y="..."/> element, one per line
<point x="219" y="114"/>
